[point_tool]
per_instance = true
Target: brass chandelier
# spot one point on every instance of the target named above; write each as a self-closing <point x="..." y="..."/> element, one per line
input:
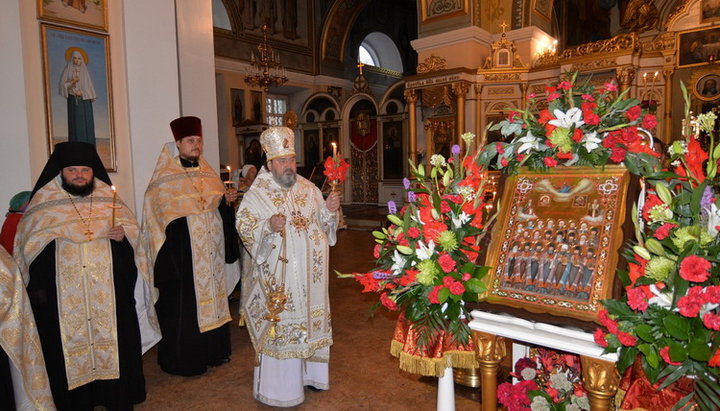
<point x="266" y="69"/>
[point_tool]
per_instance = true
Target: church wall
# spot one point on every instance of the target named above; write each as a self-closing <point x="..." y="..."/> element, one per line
<point x="15" y="167"/>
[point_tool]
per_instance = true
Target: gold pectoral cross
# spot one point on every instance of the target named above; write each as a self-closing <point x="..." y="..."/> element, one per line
<point x="202" y="202"/>
<point x="89" y="234"/>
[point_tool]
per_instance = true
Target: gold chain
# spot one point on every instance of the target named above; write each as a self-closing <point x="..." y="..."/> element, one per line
<point x="88" y="232"/>
<point x="199" y="191"/>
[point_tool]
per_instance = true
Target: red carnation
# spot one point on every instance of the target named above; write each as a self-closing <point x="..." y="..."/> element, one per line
<point x="608" y="322"/>
<point x="637" y="300"/>
<point x="649" y="122"/>
<point x="587" y="97"/>
<point x="550" y="162"/>
<point x="617" y="154"/>
<point x="577" y="135"/>
<point x="499" y="148"/>
<point x="446" y="262"/>
<point x="564" y="85"/>
<point x="503" y="162"/>
<point x="553" y="96"/>
<point x="413" y="232"/>
<point x="711" y="321"/>
<point x="650" y="201"/>
<point x="457" y="288"/>
<point x="627" y="339"/>
<point x="690" y="304"/>
<point x="664" y="231"/>
<point x="694" y="268"/>
<point x="564" y="156"/>
<point x="433" y="295"/>
<point x="633" y="113"/>
<point x="376" y="251"/>
<point x="591" y="119"/>
<point x="599" y="337"/>
<point x="466" y="276"/>
<point x="665" y="354"/>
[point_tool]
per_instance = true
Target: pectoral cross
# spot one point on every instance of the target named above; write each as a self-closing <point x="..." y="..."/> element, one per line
<point x="202" y="202"/>
<point x="89" y="234"/>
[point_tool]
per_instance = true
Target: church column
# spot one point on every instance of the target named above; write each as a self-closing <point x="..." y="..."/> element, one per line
<point x="625" y="76"/>
<point x="523" y="99"/>
<point x="460" y="89"/>
<point x="490" y="350"/>
<point x="411" y="98"/>
<point x="600" y="379"/>
<point x="667" y="105"/>
<point x="480" y="131"/>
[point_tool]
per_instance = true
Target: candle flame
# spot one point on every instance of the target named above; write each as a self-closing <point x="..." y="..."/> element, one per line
<point x="112" y="187"/>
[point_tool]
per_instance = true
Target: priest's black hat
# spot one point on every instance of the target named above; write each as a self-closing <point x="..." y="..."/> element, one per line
<point x="72" y="153"/>
<point x="186" y="126"/>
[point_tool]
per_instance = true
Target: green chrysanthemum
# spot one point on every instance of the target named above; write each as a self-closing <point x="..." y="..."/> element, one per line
<point x="428" y="271"/>
<point x="682" y="235"/>
<point x="659" y="268"/>
<point x="561" y="138"/>
<point x="660" y="213"/>
<point x="448" y="241"/>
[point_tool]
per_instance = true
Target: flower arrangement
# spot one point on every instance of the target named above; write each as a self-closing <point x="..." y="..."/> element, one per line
<point x="581" y="126"/>
<point x="336" y="169"/>
<point x="426" y="256"/>
<point x="670" y="320"/>
<point x="548" y="381"/>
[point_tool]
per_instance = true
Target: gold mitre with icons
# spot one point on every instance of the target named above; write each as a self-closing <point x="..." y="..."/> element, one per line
<point x="278" y="142"/>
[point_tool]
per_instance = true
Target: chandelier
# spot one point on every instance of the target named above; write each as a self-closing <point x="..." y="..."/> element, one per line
<point x="265" y="68"/>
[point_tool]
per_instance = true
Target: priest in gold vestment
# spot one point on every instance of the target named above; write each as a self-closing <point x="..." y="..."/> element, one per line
<point x="287" y="228"/>
<point x="23" y="379"/>
<point x="79" y="250"/>
<point x="189" y="225"/>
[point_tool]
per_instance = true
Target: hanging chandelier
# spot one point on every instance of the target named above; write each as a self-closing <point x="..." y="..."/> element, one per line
<point x="265" y="65"/>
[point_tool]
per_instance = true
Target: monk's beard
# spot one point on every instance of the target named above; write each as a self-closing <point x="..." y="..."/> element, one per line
<point x="79" y="191"/>
<point x="287" y="179"/>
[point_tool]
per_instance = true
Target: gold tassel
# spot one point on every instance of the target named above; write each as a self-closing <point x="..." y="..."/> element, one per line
<point x="241" y="321"/>
<point x="271" y="332"/>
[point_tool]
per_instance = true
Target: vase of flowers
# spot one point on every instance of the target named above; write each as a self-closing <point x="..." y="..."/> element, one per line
<point x="548" y="380"/>
<point x="426" y="260"/>
<point x="582" y="126"/>
<point x="670" y="319"/>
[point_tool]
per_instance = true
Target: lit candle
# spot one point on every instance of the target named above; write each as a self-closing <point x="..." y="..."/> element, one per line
<point x="114" y="200"/>
<point x="334" y="149"/>
<point x="229" y="173"/>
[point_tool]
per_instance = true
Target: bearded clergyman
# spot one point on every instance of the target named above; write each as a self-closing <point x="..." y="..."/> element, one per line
<point x="78" y="247"/>
<point x="287" y="228"/>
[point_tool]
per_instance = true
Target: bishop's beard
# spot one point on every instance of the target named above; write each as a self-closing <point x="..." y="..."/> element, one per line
<point x="79" y="191"/>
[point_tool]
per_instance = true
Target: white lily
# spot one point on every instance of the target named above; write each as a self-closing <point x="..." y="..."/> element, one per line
<point x="460" y="220"/>
<point x="528" y="142"/>
<point x="398" y="263"/>
<point x="713" y="219"/>
<point x="424" y="252"/>
<point x="591" y="141"/>
<point x="660" y="299"/>
<point x="573" y="117"/>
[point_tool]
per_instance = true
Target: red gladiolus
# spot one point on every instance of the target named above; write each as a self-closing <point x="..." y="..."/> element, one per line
<point x="564" y="85"/>
<point x="433" y="295"/>
<point x="409" y="277"/>
<point x="626" y="339"/>
<point x="665" y="354"/>
<point x="503" y="162"/>
<point x="599" y="337"/>
<point x="577" y="135"/>
<point x="587" y="97"/>
<point x="649" y="122"/>
<point x="376" y="251"/>
<point x="610" y="86"/>
<point x="545" y="116"/>
<point x="715" y="360"/>
<point x="564" y="156"/>
<point x="370" y="284"/>
<point x="695" y="158"/>
<point x="336" y="170"/>
<point x="499" y="148"/>
<point x="617" y="154"/>
<point x="432" y="229"/>
<point x="694" y="268"/>
<point x="633" y="113"/>
<point x="550" y="162"/>
<point x="650" y="201"/>
<point x="553" y="97"/>
<point x="512" y="115"/>
<point x="387" y="302"/>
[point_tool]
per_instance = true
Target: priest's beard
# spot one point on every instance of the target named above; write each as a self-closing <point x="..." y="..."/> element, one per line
<point x="287" y="179"/>
<point x="80" y="191"/>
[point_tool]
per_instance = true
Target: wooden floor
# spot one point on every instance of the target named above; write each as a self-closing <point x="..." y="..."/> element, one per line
<point x="363" y="374"/>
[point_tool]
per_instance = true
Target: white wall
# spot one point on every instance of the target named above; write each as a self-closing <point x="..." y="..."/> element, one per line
<point x="15" y="172"/>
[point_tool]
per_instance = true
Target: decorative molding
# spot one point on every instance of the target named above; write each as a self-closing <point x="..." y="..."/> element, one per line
<point x="460" y="88"/>
<point x="680" y="6"/>
<point x="501" y="91"/>
<point x="663" y="41"/>
<point x="502" y="77"/>
<point x="432" y="63"/>
<point x="489" y="348"/>
<point x="383" y="71"/>
<point x="410" y="96"/>
<point x="620" y="43"/>
<point x="442" y="9"/>
<point x="593" y="65"/>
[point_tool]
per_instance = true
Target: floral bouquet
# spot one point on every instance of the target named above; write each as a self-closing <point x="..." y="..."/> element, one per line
<point x="581" y="126"/>
<point x="548" y="381"/>
<point x="336" y="170"/>
<point x="426" y="256"/>
<point x="670" y="321"/>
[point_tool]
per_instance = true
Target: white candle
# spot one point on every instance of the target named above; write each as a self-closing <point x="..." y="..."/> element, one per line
<point x="334" y="149"/>
<point x="114" y="199"/>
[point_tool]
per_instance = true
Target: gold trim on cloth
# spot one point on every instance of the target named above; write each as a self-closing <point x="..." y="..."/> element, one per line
<point x="18" y="335"/>
<point x="84" y="275"/>
<point x="175" y="192"/>
<point x="304" y="326"/>
<point x="86" y="307"/>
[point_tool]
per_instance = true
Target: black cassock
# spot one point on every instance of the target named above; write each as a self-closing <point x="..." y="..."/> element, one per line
<point x="116" y="394"/>
<point x="183" y="349"/>
<point x="7" y="397"/>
